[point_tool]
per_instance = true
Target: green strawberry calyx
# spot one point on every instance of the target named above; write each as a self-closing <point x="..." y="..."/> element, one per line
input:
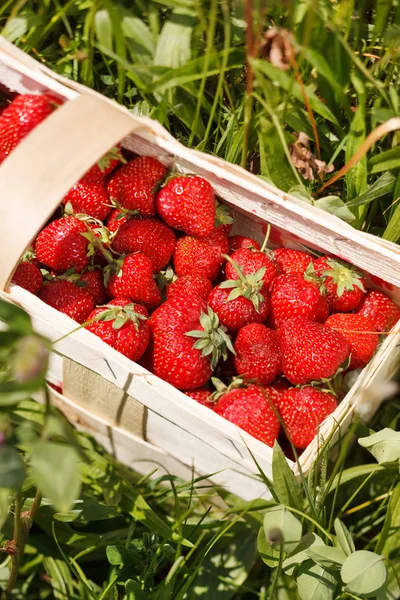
<point x="311" y="275"/>
<point x="114" y="153"/>
<point x="212" y="339"/>
<point x="223" y="215"/>
<point x="332" y="383"/>
<point x="120" y="315"/>
<point x="221" y="388"/>
<point x="248" y="286"/>
<point x="344" y="276"/>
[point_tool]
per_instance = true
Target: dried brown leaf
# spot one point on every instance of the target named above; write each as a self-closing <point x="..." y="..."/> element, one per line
<point x="305" y="161"/>
<point x="277" y="47"/>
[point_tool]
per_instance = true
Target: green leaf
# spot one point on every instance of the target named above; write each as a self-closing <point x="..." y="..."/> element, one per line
<point x="344" y="537"/>
<point x="103" y="28"/>
<point x="268" y="555"/>
<point x="392" y="231"/>
<point x="287" y="487"/>
<point x="12" y="472"/>
<point x="382" y="186"/>
<point x="55" y="471"/>
<point x="15" y="28"/>
<point x="139" y="509"/>
<point x="250" y="506"/>
<point x="364" y="572"/>
<point x="384" y="161"/>
<point x="274" y="163"/>
<point x="118" y="555"/>
<point x="60" y="578"/>
<point x="15" y="318"/>
<point x="314" y="582"/>
<point x="327" y="556"/>
<point x="299" y="554"/>
<point x="356" y="178"/>
<point x="384" y="445"/>
<point x="137" y="30"/>
<point x="335" y="206"/>
<point x="173" y="46"/>
<point x="5" y="500"/>
<point x="389" y="537"/>
<point x="134" y="591"/>
<point x="86" y="510"/>
<point x="279" y="518"/>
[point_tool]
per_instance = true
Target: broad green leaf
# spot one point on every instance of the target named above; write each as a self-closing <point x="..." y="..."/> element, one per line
<point x="364" y="572"/>
<point x="118" y="555"/>
<point x="389" y="159"/>
<point x="278" y="520"/>
<point x="344" y="537"/>
<point x="173" y="46"/>
<point x="137" y="30"/>
<point x="287" y="487"/>
<point x="381" y="17"/>
<point x="15" y="318"/>
<point x="299" y="554"/>
<point x="384" y="445"/>
<point x="103" y="28"/>
<point x="250" y="506"/>
<point x="15" y="28"/>
<point x="60" y="578"/>
<point x="134" y="591"/>
<point x="335" y="206"/>
<point x="356" y="472"/>
<point x="56" y="473"/>
<point x="314" y="582"/>
<point x="392" y="231"/>
<point x="267" y="553"/>
<point x="139" y="509"/>
<point x="356" y="178"/>
<point x="5" y="499"/>
<point x="86" y="510"/>
<point x="389" y="538"/>
<point x="12" y="471"/>
<point x="327" y="556"/>
<point x="274" y="163"/>
<point x="382" y="186"/>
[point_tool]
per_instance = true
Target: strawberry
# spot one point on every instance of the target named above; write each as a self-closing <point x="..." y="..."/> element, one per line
<point x="380" y="309"/>
<point x="218" y="239"/>
<point x="345" y="286"/>
<point x="250" y="409"/>
<point x="238" y="302"/>
<point x="68" y="298"/>
<point x="133" y="186"/>
<point x="303" y="410"/>
<point x="292" y="262"/>
<point x="250" y="261"/>
<point x="117" y="217"/>
<point x="195" y="256"/>
<point x="177" y="357"/>
<point x="89" y="197"/>
<point x="21" y="116"/>
<point x="240" y="241"/>
<point x="276" y="390"/>
<point x="258" y="353"/>
<point x="132" y="277"/>
<point x="150" y="237"/>
<point x="186" y="202"/>
<point x="104" y="166"/>
<point x="92" y="280"/>
<point x="123" y="326"/>
<point x="311" y="351"/>
<point x="189" y="285"/>
<point x="202" y="396"/>
<point x="360" y="333"/>
<point x="223" y="218"/>
<point x="28" y="276"/>
<point x="292" y="295"/>
<point x="62" y="246"/>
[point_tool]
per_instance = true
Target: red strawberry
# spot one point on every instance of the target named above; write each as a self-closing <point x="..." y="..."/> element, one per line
<point x="311" y="351"/>
<point x="186" y="202"/>
<point x="123" y="326"/>
<point x="150" y="237"/>
<point x="218" y="239"/>
<point x="292" y="262"/>
<point x="202" y="396"/>
<point x="258" y="353"/>
<point x="292" y="295"/>
<point x="89" y="197"/>
<point x="118" y="217"/>
<point x="240" y="241"/>
<point x="223" y="218"/>
<point x="62" y="246"/>
<point x="133" y="186"/>
<point x="28" y="276"/>
<point x="360" y="333"/>
<point x="177" y="357"/>
<point x="303" y="410"/>
<point x="276" y="390"/>
<point x="380" y="309"/>
<point x="132" y="277"/>
<point x="251" y="261"/>
<point x="249" y="408"/>
<point x="92" y="281"/>
<point x="68" y="298"/>
<point x="345" y="286"/>
<point x="189" y="285"/>
<point x="104" y="166"/>
<point x="195" y="256"/>
<point x="19" y="118"/>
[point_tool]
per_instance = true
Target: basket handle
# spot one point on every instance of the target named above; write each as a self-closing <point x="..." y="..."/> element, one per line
<point x="35" y="177"/>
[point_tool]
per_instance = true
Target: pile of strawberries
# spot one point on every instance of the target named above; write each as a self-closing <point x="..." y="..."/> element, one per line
<point x="142" y="258"/>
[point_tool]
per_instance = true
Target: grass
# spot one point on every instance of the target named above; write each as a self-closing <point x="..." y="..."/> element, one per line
<point x="206" y="71"/>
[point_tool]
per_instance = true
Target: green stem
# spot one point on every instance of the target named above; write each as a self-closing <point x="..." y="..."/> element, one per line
<point x="278" y="571"/>
<point x="265" y="242"/>
<point x="237" y="269"/>
<point x="248" y="102"/>
<point x="15" y="556"/>
<point x="308" y="518"/>
<point x="30" y="517"/>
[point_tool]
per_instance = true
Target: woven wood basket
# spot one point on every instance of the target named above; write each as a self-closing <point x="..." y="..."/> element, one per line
<point x="140" y="418"/>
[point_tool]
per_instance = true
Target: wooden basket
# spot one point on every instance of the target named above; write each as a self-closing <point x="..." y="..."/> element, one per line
<point x="141" y="418"/>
